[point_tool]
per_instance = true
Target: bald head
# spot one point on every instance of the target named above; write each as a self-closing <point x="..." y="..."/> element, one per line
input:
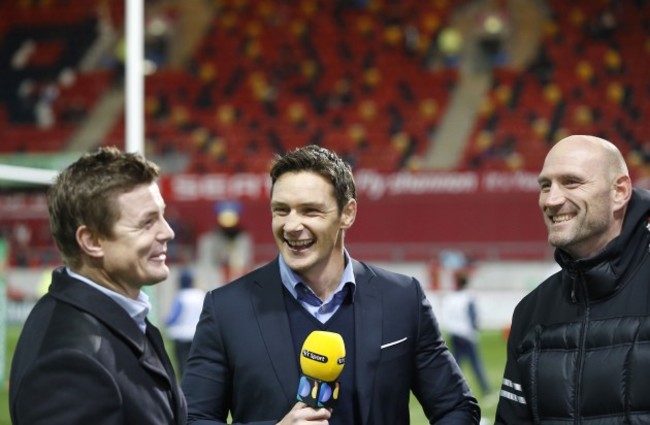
<point x="604" y="155"/>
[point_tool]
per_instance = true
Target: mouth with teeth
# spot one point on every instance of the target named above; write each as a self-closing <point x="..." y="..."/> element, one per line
<point x="561" y="218"/>
<point x="159" y="257"/>
<point x="299" y="245"/>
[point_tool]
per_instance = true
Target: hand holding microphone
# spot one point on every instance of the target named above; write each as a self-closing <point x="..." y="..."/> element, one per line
<point x="321" y="359"/>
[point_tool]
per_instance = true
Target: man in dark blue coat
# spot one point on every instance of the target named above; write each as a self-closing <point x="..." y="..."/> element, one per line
<point x="87" y="353"/>
<point x="244" y="357"/>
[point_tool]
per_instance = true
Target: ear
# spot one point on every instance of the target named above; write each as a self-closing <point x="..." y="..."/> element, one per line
<point x="349" y="214"/>
<point x="89" y="243"/>
<point x="622" y="192"/>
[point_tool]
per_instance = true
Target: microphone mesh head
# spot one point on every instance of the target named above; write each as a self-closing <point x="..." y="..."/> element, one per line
<point x="323" y="356"/>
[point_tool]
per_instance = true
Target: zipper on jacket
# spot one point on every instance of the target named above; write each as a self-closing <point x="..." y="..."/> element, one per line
<point x="581" y="350"/>
<point x="534" y="405"/>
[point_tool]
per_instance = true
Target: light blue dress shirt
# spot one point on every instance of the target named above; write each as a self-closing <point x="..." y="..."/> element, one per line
<point x="321" y="310"/>
<point x="137" y="309"/>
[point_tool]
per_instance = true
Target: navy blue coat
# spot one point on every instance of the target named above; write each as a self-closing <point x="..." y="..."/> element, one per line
<point x="243" y="360"/>
<point x="81" y="359"/>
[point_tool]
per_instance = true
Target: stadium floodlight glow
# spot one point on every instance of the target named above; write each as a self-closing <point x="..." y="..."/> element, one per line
<point x="27" y="174"/>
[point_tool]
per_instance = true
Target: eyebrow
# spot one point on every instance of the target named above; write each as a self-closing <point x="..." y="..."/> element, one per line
<point x="320" y="205"/>
<point x="151" y="213"/>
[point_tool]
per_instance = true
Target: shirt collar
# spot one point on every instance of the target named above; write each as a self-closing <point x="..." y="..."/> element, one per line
<point x="290" y="279"/>
<point x="137" y="309"/>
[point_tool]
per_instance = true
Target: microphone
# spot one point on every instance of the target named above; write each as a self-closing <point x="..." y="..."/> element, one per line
<point x="321" y="359"/>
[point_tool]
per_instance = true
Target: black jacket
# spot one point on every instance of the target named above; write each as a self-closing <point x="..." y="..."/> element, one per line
<point x="81" y="359"/>
<point x="579" y="347"/>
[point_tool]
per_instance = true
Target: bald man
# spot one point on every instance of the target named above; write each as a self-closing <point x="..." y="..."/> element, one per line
<point x="579" y="347"/>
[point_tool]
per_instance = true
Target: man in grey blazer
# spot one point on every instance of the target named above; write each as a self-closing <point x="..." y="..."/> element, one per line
<point x="244" y="361"/>
<point x="87" y="353"/>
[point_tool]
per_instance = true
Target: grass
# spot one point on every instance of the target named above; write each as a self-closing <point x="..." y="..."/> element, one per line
<point x="492" y="349"/>
<point x="12" y="338"/>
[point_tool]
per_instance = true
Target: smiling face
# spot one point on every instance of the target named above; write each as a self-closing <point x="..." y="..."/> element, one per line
<point x="583" y="194"/>
<point x="307" y="226"/>
<point x="134" y="255"/>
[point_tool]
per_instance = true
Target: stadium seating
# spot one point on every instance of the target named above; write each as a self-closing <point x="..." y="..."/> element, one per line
<point x="44" y="94"/>
<point x="589" y="79"/>
<point x="268" y="78"/>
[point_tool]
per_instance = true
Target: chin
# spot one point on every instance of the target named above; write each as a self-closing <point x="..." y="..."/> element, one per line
<point x="559" y="243"/>
<point x="158" y="276"/>
<point x="297" y="265"/>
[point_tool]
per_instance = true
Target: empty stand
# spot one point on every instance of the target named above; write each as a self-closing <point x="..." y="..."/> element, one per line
<point x="44" y="95"/>
<point x="587" y="79"/>
<point x="268" y="78"/>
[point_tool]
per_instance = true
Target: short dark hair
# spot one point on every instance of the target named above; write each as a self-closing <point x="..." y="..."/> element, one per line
<point x="84" y="194"/>
<point x="321" y="161"/>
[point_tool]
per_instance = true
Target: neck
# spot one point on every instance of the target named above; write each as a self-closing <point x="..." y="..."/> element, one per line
<point x="325" y="282"/>
<point x="100" y="277"/>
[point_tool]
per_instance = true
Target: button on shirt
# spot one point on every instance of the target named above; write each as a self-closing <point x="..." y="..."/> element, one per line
<point x="321" y="310"/>
<point x="137" y="309"/>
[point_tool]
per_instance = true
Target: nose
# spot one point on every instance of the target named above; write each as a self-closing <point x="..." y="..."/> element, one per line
<point x="553" y="197"/>
<point x="166" y="233"/>
<point x="292" y="223"/>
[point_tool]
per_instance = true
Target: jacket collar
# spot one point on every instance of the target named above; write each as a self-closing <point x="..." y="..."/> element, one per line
<point x="84" y="297"/>
<point x="605" y="273"/>
<point x="89" y="300"/>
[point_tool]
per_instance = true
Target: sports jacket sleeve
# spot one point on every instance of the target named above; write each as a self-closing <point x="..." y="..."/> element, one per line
<point x="513" y="407"/>
<point x="439" y="385"/>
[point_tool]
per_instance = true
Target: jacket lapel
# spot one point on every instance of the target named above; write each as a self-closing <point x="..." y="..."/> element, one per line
<point x="268" y="304"/>
<point x="99" y="305"/>
<point x="367" y="323"/>
<point x="160" y="363"/>
<point x="90" y="300"/>
<point x="151" y="356"/>
<point x="271" y="315"/>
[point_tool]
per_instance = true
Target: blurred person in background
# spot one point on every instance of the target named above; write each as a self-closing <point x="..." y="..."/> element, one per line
<point x="244" y="361"/>
<point x="579" y="346"/>
<point x="87" y="353"/>
<point x="228" y="248"/>
<point x="183" y="317"/>
<point x="461" y="323"/>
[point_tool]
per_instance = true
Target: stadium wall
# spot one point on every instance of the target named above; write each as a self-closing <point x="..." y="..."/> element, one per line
<point x="401" y="217"/>
<point x="401" y="208"/>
